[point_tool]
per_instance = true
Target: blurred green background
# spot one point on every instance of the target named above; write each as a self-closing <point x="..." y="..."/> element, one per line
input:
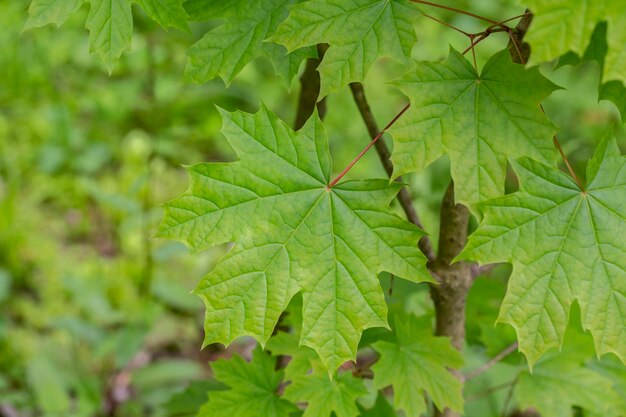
<point x="96" y="318"/>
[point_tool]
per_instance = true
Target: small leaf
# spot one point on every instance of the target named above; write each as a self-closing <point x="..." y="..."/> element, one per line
<point x="564" y="245"/>
<point x="253" y="389"/>
<point x="416" y="363"/>
<point x="559" y="383"/>
<point x="325" y="396"/>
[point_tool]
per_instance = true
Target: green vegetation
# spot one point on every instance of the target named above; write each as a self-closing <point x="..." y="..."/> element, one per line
<point x="293" y="278"/>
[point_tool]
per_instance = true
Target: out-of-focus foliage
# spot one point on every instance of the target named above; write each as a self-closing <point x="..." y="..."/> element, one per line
<point x="96" y="318"/>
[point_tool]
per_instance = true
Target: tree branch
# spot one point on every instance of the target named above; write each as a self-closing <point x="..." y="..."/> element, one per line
<point x="454" y="280"/>
<point x="310" y="90"/>
<point x="404" y="196"/>
<point x="493" y="361"/>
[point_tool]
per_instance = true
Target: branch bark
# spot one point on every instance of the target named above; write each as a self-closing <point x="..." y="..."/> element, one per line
<point x="404" y="196"/>
<point x="449" y="295"/>
<point x="493" y="361"/>
<point x="310" y="90"/>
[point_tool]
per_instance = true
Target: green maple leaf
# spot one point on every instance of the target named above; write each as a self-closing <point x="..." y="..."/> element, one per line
<point x="478" y="120"/>
<point x="564" y="245"/>
<point x="303" y="358"/>
<point x="359" y="33"/>
<point x="325" y="396"/>
<point x="381" y="408"/>
<point x="293" y="234"/>
<point x="166" y="12"/>
<point x="110" y="25"/>
<point x="560" y="26"/>
<point x="569" y="383"/>
<point x="253" y="389"/>
<point x="43" y="12"/>
<point x="224" y="51"/>
<point x="414" y="363"/>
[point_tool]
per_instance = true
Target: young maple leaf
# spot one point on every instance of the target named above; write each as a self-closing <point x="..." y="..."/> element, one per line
<point x="416" y="362"/>
<point x="293" y="233"/>
<point x="565" y="245"/>
<point x="252" y="390"/>
<point x="359" y="33"/>
<point x="327" y="397"/>
<point x="478" y="120"/>
<point x="560" y="26"/>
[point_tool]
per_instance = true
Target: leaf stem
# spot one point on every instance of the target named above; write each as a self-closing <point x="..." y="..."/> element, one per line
<point x="493" y="361"/>
<point x="404" y="196"/>
<point x="447" y="24"/>
<point x="523" y="60"/>
<point x="452" y="9"/>
<point x="360" y="155"/>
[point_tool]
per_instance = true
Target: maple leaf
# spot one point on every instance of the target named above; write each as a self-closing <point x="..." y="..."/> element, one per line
<point x="224" y="51"/>
<point x="166" y="12"/>
<point x="293" y="233"/>
<point x="415" y="362"/>
<point x="478" y="120"/>
<point x="564" y="245"/>
<point x="303" y="358"/>
<point x="381" y="408"/>
<point x="569" y="381"/>
<point x="325" y="396"/>
<point x="252" y="390"/>
<point x="110" y="25"/>
<point x="43" y="12"/>
<point x="560" y="26"/>
<point x="359" y="33"/>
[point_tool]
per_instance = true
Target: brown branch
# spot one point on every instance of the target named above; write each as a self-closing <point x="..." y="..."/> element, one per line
<point x="310" y="90"/>
<point x="454" y="280"/>
<point x="404" y="196"/>
<point x="493" y="361"/>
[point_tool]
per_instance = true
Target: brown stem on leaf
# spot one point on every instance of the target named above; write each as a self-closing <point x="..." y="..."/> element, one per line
<point x="404" y="196"/>
<point x="493" y="361"/>
<point x="520" y="52"/>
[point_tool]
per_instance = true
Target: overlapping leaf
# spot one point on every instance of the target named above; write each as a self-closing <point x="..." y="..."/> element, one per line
<point x="166" y="12"/>
<point x="569" y="382"/>
<point x="560" y="26"/>
<point x="226" y="50"/>
<point x="326" y="397"/>
<point x="416" y="363"/>
<point x="43" y="12"/>
<point x="253" y="389"/>
<point x="564" y="245"/>
<point x="293" y="234"/>
<point x="478" y="120"/>
<point x="359" y="33"/>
